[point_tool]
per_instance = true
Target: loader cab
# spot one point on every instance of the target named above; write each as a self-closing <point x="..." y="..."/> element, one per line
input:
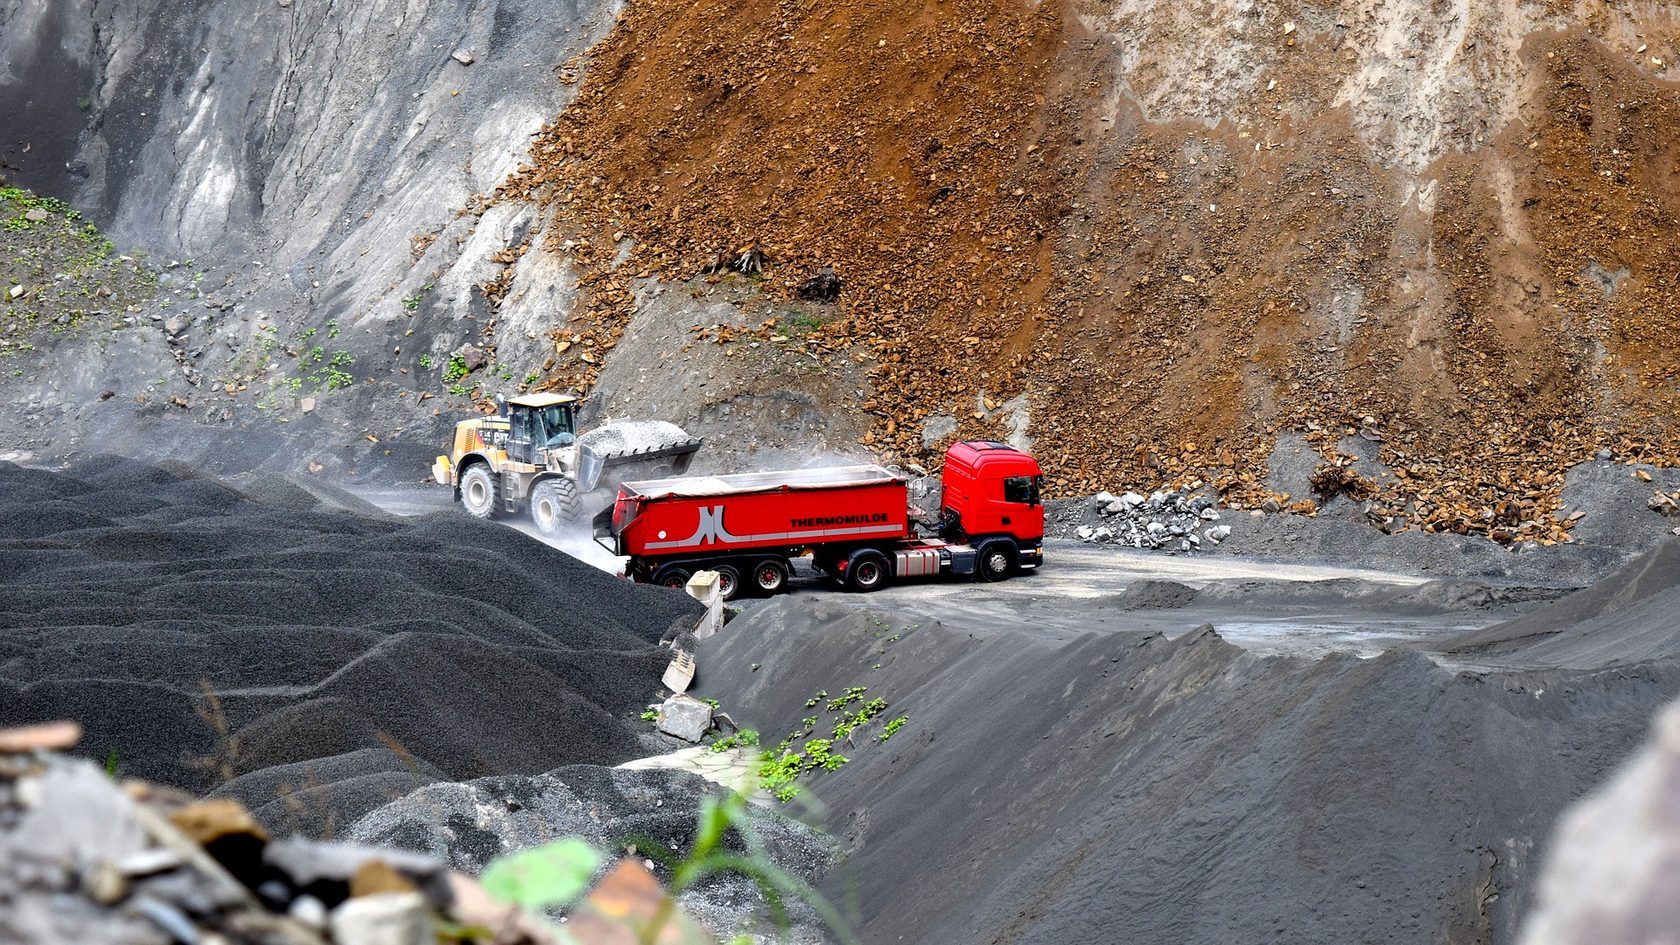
<point x="993" y="489"/>
<point x="539" y="422"/>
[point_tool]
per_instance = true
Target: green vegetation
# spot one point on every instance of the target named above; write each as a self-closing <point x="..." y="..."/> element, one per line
<point x="780" y="768"/>
<point x="426" y="362"/>
<point x="412" y="302"/>
<point x="65" y="266"/>
<point x="455" y="369"/>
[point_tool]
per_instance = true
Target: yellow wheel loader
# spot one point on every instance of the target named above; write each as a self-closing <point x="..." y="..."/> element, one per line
<point x="530" y="457"/>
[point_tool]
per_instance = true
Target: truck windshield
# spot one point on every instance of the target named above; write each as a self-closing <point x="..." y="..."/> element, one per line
<point x="554" y="423"/>
<point x="1023" y="489"/>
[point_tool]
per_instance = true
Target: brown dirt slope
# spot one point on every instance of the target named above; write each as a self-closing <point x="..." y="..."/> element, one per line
<point x="1176" y="234"/>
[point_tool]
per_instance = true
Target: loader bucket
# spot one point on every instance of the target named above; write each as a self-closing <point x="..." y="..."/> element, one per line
<point x="598" y="470"/>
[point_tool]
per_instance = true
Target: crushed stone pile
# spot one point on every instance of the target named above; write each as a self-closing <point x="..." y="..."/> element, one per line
<point x="1176" y="521"/>
<point x="86" y="859"/>
<point x="1131" y="787"/>
<point x="468" y="825"/>
<point x="312" y="663"/>
<point x="626" y="436"/>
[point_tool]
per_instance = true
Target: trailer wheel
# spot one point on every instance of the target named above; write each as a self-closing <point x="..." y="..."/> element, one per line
<point x="554" y="503"/>
<point x="868" y="571"/>
<point x="729" y="580"/>
<point x="997" y="562"/>
<point x="770" y="576"/>
<point x="671" y="575"/>
<point x="479" y="494"/>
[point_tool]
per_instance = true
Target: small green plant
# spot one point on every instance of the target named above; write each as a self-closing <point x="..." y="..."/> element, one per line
<point x="530" y="379"/>
<point x="892" y="728"/>
<point x="112" y="765"/>
<point x="455" y="369"/>
<point x="853" y="694"/>
<point x="745" y="737"/>
<point x="412" y="302"/>
<point x="650" y="714"/>
<point x="459" y="390"/>
<point x="426" y="362"/>
<point x="814" y="700"/>
<point x="332" y="329"/>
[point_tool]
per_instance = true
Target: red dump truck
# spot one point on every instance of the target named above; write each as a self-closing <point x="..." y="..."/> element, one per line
<point x="854" y="521"/>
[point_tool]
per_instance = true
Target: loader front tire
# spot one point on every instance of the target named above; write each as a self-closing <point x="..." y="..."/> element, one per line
<point x="554" y="505"/>
<point x="480" y="494"/>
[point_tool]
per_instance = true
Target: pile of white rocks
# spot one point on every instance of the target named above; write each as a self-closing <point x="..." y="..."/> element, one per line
<point x="1176" y="522"/>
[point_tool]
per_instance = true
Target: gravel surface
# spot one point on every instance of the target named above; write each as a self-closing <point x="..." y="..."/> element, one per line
<point x="312" y="663"/>
<point x="1129" y="786"/>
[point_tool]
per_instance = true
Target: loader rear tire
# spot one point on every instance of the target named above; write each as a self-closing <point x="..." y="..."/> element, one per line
<point x="554" y="505"/>
<point x="481" y="493"/>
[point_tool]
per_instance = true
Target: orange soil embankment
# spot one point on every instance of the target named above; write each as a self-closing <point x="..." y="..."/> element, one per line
<point x="1166" y="295"/>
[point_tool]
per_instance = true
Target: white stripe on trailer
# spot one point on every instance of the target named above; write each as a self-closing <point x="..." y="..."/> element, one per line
<point x="710" y="530"/>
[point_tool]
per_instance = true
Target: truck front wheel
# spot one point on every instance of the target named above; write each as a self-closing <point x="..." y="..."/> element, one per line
<point x="868" y="571"/>
<point x="997" y="561"/>
<point x="479" y="493"/>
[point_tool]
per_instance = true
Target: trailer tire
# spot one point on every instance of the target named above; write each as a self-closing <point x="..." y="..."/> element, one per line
<point x="554" y="504"/>
<point x="770" y="577"/>
<point x="671" y="575"/>
<point x="868" y="571"/>
<point x="729" y="580"/>
<point x="481" y="492"/>
<point x="996" y="562"/>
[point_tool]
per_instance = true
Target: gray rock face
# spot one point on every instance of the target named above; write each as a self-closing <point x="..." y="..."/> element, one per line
<point x="1611" y="876"/>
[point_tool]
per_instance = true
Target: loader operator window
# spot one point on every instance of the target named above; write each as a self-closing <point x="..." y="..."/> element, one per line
<point x="1023" y="489"/>
<point x="555" y="427"/>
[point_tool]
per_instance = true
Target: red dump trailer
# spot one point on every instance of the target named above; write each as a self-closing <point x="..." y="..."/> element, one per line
<point x="854" y="521"/>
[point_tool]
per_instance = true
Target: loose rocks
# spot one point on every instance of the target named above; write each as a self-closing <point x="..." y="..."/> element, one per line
<point x="1173" y="521"/>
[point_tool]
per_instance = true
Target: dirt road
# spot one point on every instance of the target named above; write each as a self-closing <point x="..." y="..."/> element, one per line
<point x="1268" y="606"/>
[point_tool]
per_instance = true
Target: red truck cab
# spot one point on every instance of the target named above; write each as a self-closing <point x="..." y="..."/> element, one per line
<point x="992" y="491"/>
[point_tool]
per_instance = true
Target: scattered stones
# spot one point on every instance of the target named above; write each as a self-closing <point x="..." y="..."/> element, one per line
<point x="1165" y="520"/>
<point x="462" y="56"/>
<point x="16" y="292"/>
<point x="37" y="215"/>
<point x="685" y="717"/>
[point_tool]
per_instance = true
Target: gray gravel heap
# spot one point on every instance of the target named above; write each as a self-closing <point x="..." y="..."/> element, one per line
<point x="312" y="663"/>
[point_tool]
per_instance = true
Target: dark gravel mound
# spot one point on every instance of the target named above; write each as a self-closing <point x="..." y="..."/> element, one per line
<point x="1132" y="788"/>
<point x="1631" y="615"/>
<point x="1150" y="594"/>
<point x="274" y="640"/>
